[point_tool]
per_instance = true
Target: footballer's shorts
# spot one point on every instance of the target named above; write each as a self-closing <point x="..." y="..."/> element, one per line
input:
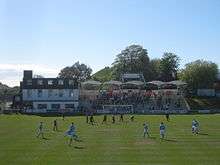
<point x="162" y="132"/>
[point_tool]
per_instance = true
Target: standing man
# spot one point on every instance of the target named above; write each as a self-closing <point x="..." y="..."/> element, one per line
<point x="146" y="130"/>
<point x="55" y="127"/>
<point x="195" y="126"/>
<point x="72" y="133"/>
<point x="40" y="130"/>
<point x="113" y="119"/>
<point x="162" y="130"/>
<point x="167" y="116"/>
<point x="104" y="119"/>
<point x="91" y="119"/>
<point x="121" y="118"/>
<point x="132" y="118"/>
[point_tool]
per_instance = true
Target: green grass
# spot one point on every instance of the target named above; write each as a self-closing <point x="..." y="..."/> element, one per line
<point x="110" y="144"/>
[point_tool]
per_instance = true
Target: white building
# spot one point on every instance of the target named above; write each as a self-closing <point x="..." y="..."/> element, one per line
<point x="49" y="94"/>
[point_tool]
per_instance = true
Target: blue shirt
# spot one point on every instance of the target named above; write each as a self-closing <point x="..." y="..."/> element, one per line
<point x="162" y="127"/>
<point x="194" y="123"/>
<point x="72" y="128"/>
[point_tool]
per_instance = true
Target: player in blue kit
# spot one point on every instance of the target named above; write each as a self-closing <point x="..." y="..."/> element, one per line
<point x="72" y="133"/>
<point x="162" y="130"/>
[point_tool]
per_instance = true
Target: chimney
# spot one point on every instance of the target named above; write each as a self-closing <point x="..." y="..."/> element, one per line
<point x="28" y="74"/>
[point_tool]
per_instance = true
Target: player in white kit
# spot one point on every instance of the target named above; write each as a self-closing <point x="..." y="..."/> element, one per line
<point x="195" y="126"/>
<point x="146" y="132"/>
<point x="40" y="130"/>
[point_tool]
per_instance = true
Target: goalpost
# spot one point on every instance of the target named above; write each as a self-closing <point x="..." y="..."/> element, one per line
<point x="117" y="109"/>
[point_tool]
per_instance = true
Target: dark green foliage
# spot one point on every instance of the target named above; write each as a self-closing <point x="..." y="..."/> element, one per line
<point x="200" y="74"/>
<point x="103" y="75"/>
<point x="169" y="66"/>
<point x="79" y="71"/>
<point x="155" y="69"/>
<point x="134" y="59"/>
<point x="7" y="93"/>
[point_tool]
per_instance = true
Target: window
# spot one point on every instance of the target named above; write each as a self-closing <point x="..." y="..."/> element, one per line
<point x="50" y="93"/>
<point x="71" y="82"/>
<point x="70" y="93"/>
<point x="29" y="82"/>
<point x="40" y="82"/>
<point x="29" y="93"/>
<point x="56" y="92"/>
<point x="55" y="106"/>
<point x="60" y="82"/>
<point x="39" y="93"/>
<point x="69" y="105"/>
<point x="42" y="106"/>
<point x="60" y="93"/>
<point x="50" y="82"/>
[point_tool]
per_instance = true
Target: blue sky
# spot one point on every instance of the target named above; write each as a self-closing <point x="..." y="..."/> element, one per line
<point x="46" y="35"/>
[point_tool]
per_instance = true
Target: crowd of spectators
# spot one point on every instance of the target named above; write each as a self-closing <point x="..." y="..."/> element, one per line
<point x="150" y="99"/>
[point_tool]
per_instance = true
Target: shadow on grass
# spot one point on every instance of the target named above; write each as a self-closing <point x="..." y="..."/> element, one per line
<point x="45" y="138"/>
<point x="79" y="147"/>
<point x="169" y="140"/>
<point x="151" y="137"/>
<point x="203" y="134"/>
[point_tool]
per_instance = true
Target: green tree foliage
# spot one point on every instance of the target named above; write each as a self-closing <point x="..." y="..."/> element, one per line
<point x="134" y="59"/>
<point x="7" y="93"/>
<point x="155" y="69"/>
<point x="81" y="72"/>
<point x="200" y="74"/>
<point x="169" y="66"/>
<point x="103" y="75"/>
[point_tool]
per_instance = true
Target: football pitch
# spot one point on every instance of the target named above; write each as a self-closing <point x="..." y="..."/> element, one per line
<point x="113" y="144"/>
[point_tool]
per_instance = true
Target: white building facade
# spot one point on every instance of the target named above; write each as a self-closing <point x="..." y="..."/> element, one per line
<point x="49" y="94"/>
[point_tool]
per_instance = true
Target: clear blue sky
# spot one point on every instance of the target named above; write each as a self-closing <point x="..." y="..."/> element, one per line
<point x="46" y="35"/>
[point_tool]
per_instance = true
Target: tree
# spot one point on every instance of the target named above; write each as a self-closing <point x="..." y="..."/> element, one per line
<point x="103" y="75"/>
<point x="169" y="66"/>
<point x="81" y="72"/>
<point x="7" y="93"/>
<point x="155" y="69"/>
<point x="134" y="59"/>
<point x="200" y="74"/>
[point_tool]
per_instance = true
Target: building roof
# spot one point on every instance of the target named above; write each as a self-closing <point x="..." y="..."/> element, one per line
<point x="112" y="82"/>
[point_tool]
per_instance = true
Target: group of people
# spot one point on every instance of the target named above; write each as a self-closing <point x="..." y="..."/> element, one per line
<point x="146" y="99"/>
<point x="71" y="132"/>
<point x="120" y="97"/>
<point x="90" y="119"/>
<point x="162" y="129"/>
